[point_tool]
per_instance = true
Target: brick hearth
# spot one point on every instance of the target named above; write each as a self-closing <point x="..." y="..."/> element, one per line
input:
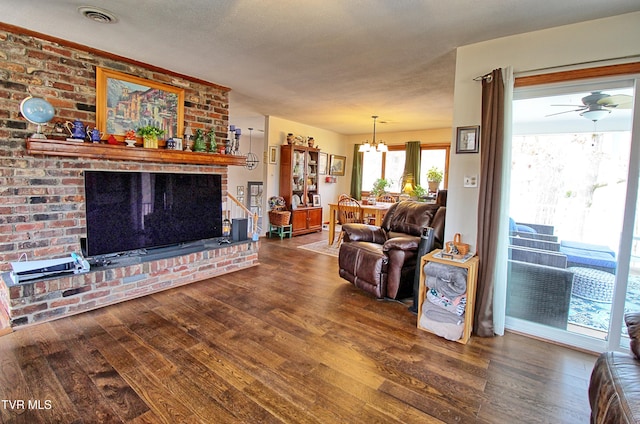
<point x="43" y="300"/>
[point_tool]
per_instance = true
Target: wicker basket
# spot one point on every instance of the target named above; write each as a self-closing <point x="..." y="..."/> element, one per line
<point x="463" y="248"/>
<point x="279" y="217"/>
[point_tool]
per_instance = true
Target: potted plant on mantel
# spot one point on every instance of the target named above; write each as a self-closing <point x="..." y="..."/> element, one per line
<point x="150" y="136"/>
<point x="434" y="178"/>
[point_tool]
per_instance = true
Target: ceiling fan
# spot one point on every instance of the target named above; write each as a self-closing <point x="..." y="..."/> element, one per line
<point x="597" y="105"/>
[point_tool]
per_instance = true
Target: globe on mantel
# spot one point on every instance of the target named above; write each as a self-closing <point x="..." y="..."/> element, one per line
<point x="37" y="111"/>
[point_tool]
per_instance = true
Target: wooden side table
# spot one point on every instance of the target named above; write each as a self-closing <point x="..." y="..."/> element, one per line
<point x="471" y="266"/>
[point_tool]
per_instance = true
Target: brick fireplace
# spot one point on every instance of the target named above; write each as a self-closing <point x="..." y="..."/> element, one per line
<point x="42" y="195"/>
<point x="49" y="192"/>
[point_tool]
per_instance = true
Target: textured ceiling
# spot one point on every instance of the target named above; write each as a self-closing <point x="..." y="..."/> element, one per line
<point x="326" y="63"/>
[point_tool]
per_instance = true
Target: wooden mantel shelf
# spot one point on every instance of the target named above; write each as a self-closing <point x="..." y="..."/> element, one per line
<point x="51" y="147"/>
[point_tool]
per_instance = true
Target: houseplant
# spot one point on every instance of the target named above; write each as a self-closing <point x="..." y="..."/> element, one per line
<point x="434" y="178"/>
<point x="379" y="187"/>
<point x="150" y="136"/>
<point x="419" y="193"/>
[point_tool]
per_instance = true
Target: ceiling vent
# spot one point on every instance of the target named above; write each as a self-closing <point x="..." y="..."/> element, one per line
<point x="98" y="15"/>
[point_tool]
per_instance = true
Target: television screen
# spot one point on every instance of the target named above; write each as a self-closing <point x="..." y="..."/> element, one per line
<point x="139" y="210"/>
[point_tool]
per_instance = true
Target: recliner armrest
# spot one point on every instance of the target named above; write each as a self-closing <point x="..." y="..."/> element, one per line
<point x="364" y="232"/>
<point x="401" y="243"/>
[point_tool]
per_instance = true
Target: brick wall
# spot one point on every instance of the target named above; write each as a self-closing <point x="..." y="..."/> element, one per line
<point x="42" y="197"/>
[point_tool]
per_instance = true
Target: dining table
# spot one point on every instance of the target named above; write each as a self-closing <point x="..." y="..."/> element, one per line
<point x="377" y="210"/>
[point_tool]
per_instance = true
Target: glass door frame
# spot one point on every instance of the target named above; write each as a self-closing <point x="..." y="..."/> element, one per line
<point x="626" y="238"/>
<point x="614" y="341"/>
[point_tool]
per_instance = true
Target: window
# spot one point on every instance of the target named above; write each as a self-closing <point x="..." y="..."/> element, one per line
<point x="390" y="165"/>
<point x="394" y="168"/>
<point x="430" y="158"/>
<point x="371" y="169"/>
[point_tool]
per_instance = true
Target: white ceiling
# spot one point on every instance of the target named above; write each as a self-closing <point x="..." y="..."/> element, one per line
<point x="326" y="63"/>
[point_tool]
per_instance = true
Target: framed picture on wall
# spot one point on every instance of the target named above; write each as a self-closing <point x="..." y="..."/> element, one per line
<point x="322" y="163"/>
<point x="273" y="155"/>
<point x="468" y="139"/>
<point x="337" y="165"/>
<point x="125" y="102"/>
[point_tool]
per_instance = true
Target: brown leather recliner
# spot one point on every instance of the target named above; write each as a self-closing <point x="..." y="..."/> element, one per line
<point x="382" y="260"/>
<point x="614" y="388"/>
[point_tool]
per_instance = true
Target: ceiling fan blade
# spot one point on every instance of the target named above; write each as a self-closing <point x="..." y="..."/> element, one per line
<point x="581" y="106"/>
<point x="618" y="101"/>
<point x="567" y="111"/>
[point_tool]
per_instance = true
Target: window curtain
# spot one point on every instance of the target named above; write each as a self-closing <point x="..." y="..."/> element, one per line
<point x="492" y="202"/>
<point x="356" y="173"/>
<point x="500" y="276"/>
<point x="411" y="163"/>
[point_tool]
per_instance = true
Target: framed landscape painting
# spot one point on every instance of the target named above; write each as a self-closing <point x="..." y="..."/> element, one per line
<point x="126" y="102"/>
<point x="337" y="165"/>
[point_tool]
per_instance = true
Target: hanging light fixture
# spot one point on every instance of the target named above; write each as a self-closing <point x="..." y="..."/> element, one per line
<point x="595" y="113"/>
<point x="252" y="159"/>
<point x="380" y="147"/>
<point x="366" y="146"/>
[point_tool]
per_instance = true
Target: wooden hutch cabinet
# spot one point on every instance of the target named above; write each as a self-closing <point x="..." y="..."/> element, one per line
<point x="299" y="185"/>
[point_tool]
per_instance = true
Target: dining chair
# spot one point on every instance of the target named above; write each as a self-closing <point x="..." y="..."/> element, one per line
<point x="349" y="212"/>
<point x="386" y="198"/>
<point x="383" y="198"/>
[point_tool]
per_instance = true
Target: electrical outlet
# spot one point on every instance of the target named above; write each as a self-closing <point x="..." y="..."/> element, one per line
<point x="471" y="181"/>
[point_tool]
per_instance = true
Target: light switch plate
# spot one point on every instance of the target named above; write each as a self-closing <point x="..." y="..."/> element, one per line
<point x="471" y="181"/>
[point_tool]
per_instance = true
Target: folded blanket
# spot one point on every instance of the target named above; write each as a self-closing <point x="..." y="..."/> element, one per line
<point x="450" y="281"/>
<point x="441" y="322"/>
<point x="456" y="306"/>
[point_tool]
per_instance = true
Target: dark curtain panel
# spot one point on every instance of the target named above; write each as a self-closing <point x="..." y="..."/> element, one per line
<point x="412" y="162"/>
<point x="491" y="156"/>
<point x="356" y="173"/>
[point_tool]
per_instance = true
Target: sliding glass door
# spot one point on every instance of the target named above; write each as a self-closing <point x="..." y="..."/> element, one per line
<point x="569" y="193"/>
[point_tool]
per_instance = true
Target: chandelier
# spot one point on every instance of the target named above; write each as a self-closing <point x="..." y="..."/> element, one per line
<point x="367" y="147"/>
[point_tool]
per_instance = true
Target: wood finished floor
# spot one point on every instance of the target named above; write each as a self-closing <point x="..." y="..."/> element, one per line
<point x="287" y="341"/>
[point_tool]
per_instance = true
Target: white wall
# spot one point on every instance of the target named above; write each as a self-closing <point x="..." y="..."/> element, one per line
<point x="583" y="42"/>
<point x="328" y="141"/>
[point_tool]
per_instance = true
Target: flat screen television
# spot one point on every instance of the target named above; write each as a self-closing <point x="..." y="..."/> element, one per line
<point x="128" y="211"/>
